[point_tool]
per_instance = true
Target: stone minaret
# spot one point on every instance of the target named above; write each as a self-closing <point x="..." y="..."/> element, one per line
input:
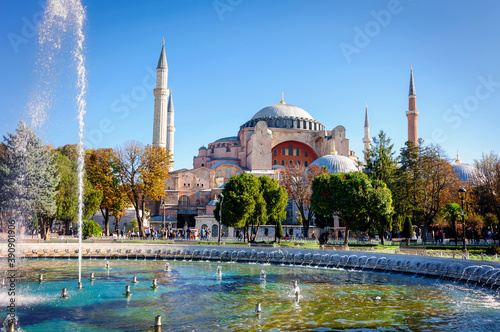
<point x="160" y="125"/>
<point x="412" y="113"/>
<point x="367" y="140"/>
<point x="170" y="128"/>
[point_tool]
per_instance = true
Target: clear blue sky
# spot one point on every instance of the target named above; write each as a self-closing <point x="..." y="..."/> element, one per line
<point x="230" y="58"/>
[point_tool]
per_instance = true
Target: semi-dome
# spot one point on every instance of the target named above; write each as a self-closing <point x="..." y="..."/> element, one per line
<point x="282" y="110"/>
<point x="336" y="164"/>
<point x="464" y="172"/>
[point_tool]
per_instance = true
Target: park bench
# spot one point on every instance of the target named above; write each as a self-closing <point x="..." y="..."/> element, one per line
<point x="422" y="251"/>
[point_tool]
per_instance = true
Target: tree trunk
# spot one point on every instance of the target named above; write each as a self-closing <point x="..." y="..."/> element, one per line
<point x="105" y="215"/>
<point x="139" y="221"/>
<point x="256" y="232"/>
<point x="117" y="226"/>
<point x="381" y="233"/>
<point x="305" y="222"/>
<point x="43" y="229"/>
<point x="66" y="226"/>
<point x="346" y="236"/>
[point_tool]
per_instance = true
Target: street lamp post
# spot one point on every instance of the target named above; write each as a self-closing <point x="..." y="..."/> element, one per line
<point x="461" y="193"/>
<point x="163" y="217"/>
<point x="221" y="198"/>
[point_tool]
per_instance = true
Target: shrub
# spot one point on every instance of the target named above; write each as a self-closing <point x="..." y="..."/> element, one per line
<point x="91" y="228"/>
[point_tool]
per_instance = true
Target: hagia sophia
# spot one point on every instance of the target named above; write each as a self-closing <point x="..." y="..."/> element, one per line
<point x="276" y="136"/>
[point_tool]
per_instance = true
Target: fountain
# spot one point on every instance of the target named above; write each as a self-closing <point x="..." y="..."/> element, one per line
<point x="154" y="284"/>
<point x="127" y="291"/>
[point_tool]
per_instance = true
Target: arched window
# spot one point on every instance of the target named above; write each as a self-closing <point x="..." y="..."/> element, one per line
<point x="236" y="173"/>
<point x="228" y="172"/>
<point x="298" y="162"/>
<point x="290" y="163"/>
<point x="290" y="150"/>
<point x="197" y="202"/>
<point x="184" y="200"/>
<point x="305" y="153"/>
<point x="275" y="152"/>
<point x="297" y="152"/>
<point x="283" y="151"/>
<point x="219" y="174"/>
<point x="305" y="163"/>
<point x="282" y="162"/>
<point x="275" y="162"/>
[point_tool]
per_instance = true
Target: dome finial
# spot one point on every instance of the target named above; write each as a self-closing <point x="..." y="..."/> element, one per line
<point x="333" y="149"/>
<point x="282" y="100"/>
<point x="458" y="159"/>
<point x="163" y="40"/>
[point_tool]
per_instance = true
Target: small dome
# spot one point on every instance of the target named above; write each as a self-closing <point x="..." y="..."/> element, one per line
<point x="202" y="147"/>
<point x="213" y="202"/>
<point x="336" y="164"/>
<point x="282" y="111"/>
<point x="464" y="172"/>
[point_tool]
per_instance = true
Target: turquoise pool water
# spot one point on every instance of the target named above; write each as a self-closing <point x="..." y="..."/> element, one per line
<point x="192" y="297"/>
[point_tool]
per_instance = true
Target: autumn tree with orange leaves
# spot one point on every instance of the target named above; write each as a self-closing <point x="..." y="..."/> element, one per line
<point x="102" y="172"/>
<point x="143" y="171"/>
<point x="297" y="180"/>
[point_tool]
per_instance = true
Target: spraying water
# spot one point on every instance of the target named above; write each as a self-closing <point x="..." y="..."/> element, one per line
<point x="62" y="20"/>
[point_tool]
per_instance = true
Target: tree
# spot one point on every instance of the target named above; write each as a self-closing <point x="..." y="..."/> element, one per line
<point x="91" y="229"/>
<point x="425" y="183"/>
<point x="452" y="212"/>
<point x="28" y="178"/>
<point x="487" y="184"/>
<point x="142" y="171"/>
<point x="379" y="209"/>
<point x="297" y="181"/>
<point x="243" y="204"/>
<point x="275" y="197"/>
<point x="67" y="197"/>
<point x="279" y="231"/>
<point x="346" y="195"/>
<point x="380" y="162"/>
<point x="103" y="174"/>
<point x="407" y="230"/>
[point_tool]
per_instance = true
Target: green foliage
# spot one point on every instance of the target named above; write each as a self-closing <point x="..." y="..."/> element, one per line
<point x="91" y="228"/>
<point x="276" y="198"/>
<point x="379" y="209"/>
<point x="243" y="202"/>
<point x="279" y="230"/>
<point x="490" y="220"/>
<point x="133" y="225"/>
<point x="346" y="195"/>
<point x="452" y="212"/>
<point x="67" y="194"/>
<point x="380" y="162"/>
<point x="91" y="200"/>
<point x="407" y="232"/>
<point x="28" y="177"/>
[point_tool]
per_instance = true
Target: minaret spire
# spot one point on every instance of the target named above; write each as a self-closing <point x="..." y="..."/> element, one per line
<point x="161" y="99"/>
<point x="412" y="113"/>
<point x="367" y="140"/>
<point x="282" y="100"/>
<point x="412" y="85"/>
<point x="170" y="127"/>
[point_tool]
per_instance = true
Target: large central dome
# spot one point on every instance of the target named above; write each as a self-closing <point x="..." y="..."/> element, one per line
<point x="284" y="116"/>
<point x="282" y="110"/>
